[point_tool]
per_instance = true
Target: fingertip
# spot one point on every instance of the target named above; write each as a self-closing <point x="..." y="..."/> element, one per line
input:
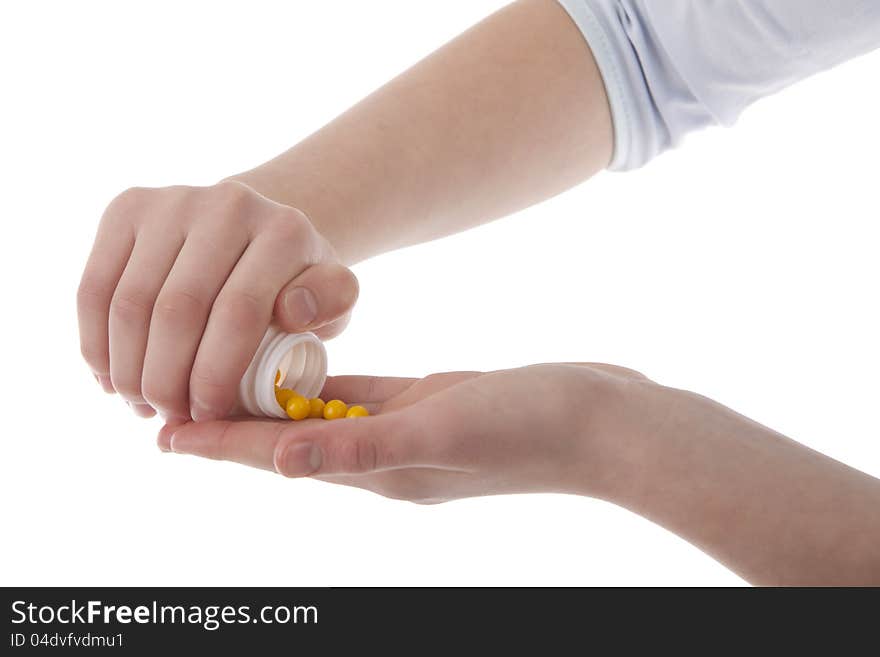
<point x="142" y="410"/>
<point x="299" y="309"/>
<point x="320" y="295"/>
<point x="334" y="328"/>
<point x="106" y="383"/>
<point x="203" y="439"/>
<point x="297" y="459"/>
<point x="287" y="453"/>
<point x="163" y="438"/>
<point x="179" y="443"/>
<point x="200" y="411"/>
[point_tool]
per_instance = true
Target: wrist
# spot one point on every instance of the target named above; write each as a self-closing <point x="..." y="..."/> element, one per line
<point x="305" y="194"/>
<point x="622" y="420"/>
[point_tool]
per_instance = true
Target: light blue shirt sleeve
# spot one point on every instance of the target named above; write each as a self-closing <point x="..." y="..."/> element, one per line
<point x="674" y="66"/>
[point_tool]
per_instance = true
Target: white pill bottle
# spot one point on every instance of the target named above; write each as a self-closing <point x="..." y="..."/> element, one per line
<point x="299" y="357"/>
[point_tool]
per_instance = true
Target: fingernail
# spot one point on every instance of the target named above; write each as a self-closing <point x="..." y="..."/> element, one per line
<point x="301" y="307"/>
<point x="181" y="443"/>
<point x="163" y="439"/>
<point x="300" y="460"/>
<point x="176" y="444"/>
<point x="201" y="413"/>
<point x="106" y="384"/>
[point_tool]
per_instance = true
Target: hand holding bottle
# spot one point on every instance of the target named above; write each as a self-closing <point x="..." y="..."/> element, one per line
<point x="183" y="282"/>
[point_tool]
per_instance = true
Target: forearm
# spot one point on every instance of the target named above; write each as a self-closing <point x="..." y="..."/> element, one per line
<point x="772" y="510"/>
<point x="508" y="114"/>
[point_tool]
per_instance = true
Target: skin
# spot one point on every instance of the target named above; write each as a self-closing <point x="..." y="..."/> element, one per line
<point x="509" y="114"/>
<point x="772" y="510"/>
<point x="182" y="283"/>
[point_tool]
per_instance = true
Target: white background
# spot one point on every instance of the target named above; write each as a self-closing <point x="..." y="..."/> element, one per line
<point x="743" y="266"/>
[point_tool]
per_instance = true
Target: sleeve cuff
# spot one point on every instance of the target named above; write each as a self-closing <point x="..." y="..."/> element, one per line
<point x="611" y="68"/>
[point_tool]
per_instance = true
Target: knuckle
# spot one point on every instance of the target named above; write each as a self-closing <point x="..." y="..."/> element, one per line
<point x="437" y="379"/>
<point x="231" y="191"/>
<point x="367" y="455"/>
<point x="240" y="310"/>
<point x="96" y="357"/>
<point x="126" y="202"/>
<point x="222" y="448"/>
<point x="130" y="196"/>
<point x="147" y="206"/>
<point x="128" y="306"/>
<point x="289" y="227"/>
<point x="155" y="397"/>
<point x="158" y="395"/>
<point x="129" y="388"/>
<point x="212" y="388"/>
<point x="173" y="198"/>
<point x="93" y="293"/>
<point x="179" y="307"/>
<point x="601" y="385"/>
<point x="344" y="283"/>
<point x="358" y="456"/>
<point x="285" y="437"/>
<point x="205" y="379"/>
<point x="229" y="201"/>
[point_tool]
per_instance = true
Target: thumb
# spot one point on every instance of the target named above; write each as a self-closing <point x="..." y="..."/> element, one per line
<point x="318" y="296"/>
<point x="351" y="446"/>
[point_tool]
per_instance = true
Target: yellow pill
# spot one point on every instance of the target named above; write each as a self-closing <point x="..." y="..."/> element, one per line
<point x="316" y="407"/>
<point x="277" y="377"/>
<point x="357" y="411"/>
<point x="335" y="409"/>
<point x="283" y="395"/>
<point x="297" y="408"/>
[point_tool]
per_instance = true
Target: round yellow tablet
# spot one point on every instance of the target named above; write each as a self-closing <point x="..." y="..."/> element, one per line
<point x="357" y="411"/>
<point x="283" y="395"/>
<point x="297" y="407"/>
<point x="316" y="407"/>
<point x="335" y="409"/>
<point x="277" y="376"/>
